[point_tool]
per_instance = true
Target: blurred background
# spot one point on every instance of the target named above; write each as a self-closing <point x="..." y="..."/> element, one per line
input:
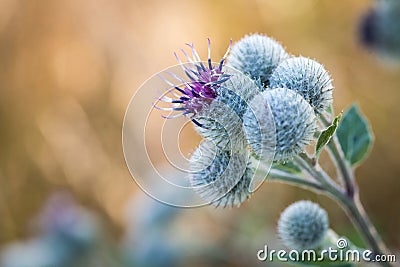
<point x="68" y="69"/>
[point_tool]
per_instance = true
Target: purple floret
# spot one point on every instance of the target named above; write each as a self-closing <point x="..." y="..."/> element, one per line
<point x="200" y="90"/>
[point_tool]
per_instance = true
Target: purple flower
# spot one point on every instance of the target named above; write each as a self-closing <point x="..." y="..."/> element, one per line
<point x="201" y="88"/>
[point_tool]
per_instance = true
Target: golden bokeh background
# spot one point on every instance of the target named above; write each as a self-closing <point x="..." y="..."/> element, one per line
<point x="68" y="69"/>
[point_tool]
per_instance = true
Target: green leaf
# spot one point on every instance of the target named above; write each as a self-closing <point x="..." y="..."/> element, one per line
<point x="289" y="167"/>
<point x="326" y="136"/>
<point x="355" y="135"/>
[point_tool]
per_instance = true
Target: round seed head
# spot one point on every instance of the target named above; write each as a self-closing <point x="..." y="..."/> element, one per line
<point x="223" y="178"/>
<point x="221" y="120"/>
<point x="289" y="131"/>
<point x="303" y="225"/>
<point x="257" y="55"/>
<point x="308" y="78"/>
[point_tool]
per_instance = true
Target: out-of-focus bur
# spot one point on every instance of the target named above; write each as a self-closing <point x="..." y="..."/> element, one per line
<point x="291" y="129"/>
<point x="257" y="56"/>
<point x="65" y="220"/>
<point x="308" y="78"/>
<point x="148" y="241"/>
<point x="67" y="232"/>
<point x="222" y="178"/>
<point x="31" y="253"/>
<point x="379" y="30"/>
<point x="303" y="225"/>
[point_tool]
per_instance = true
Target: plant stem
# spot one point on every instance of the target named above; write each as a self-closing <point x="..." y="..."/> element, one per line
<point x="345" y="170"/>
<point x="293" y="179"/>
<point x="351" y="204"/>
<point x="338" y="157"/>
<point x="356" y="212"/>
<point x="348" y="199"/>
<point x="290" y="178"/>
<point x="316" y="172"/>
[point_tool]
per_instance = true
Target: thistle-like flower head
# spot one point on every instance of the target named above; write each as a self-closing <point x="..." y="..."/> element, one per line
<point x="222" y="178"/>
<point x="308" y="78"/>
<point x="303" y="225"/>
<point x="257" y="55"/>
<point x="292" y="125"/>
<point x="214" y="97"/>
<point x="199" y="90"/>
<point x="222" y="119"/>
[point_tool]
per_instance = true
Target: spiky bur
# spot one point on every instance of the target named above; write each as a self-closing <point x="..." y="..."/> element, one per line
<point x="198" y="90"/>
<point x="379" y="29"/>
<point x="308" y="78"/>
<point x="222" y="119"/>
<point x="292" y="127"/>
<point x="214" y="98"/>
<point x="257" y="55"/>
<point x="222" y="178"/>
<point x="303" y="225"/>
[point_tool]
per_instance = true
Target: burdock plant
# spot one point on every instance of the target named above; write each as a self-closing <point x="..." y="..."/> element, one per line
<point x="266" y="104"/>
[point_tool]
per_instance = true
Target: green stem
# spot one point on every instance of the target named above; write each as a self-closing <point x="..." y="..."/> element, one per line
<point x="352" y="205"/>
<point x="316" y="172"/>
<point x="345" y="170"/>
<point x="290" y="178"/>
<point x="355" y="210"/>
<point x="338" y="157"/>
<point x="323" y="183"/>
<point x="277" y="175"/>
